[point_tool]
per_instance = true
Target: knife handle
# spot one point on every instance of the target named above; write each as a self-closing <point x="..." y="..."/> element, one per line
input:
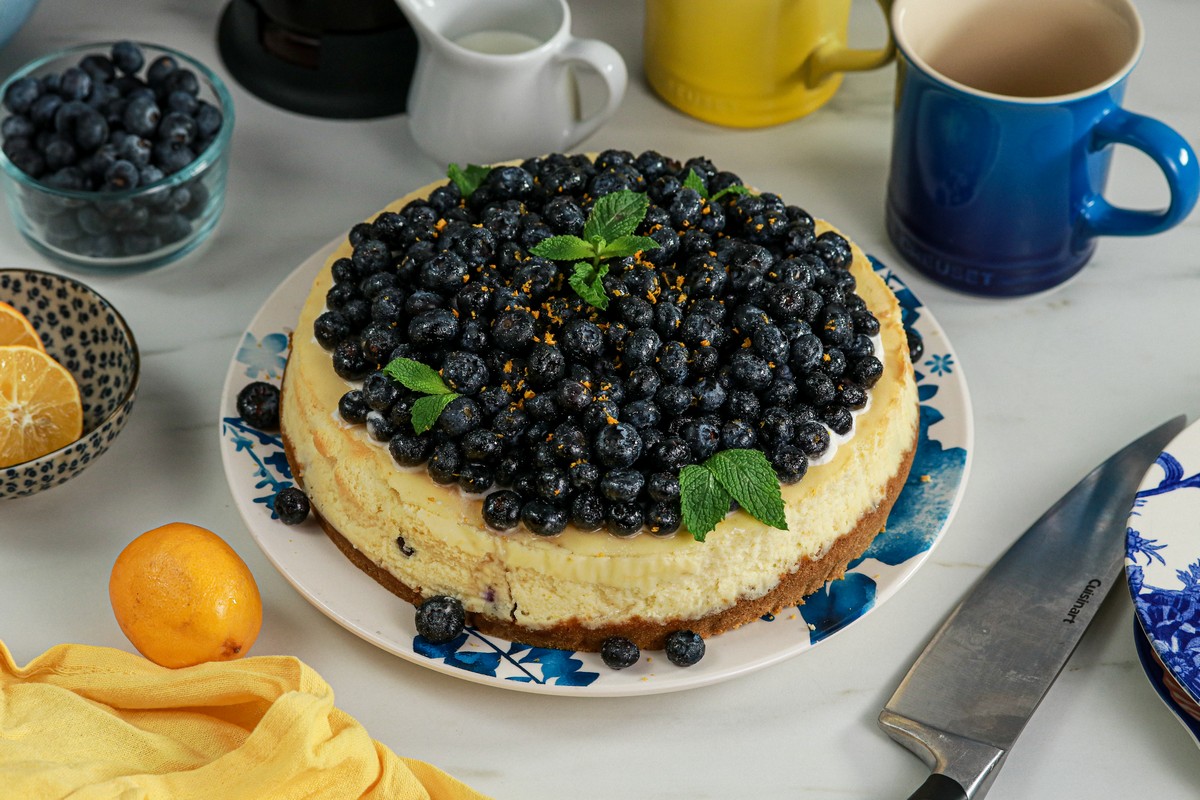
<point x="939" y="787"/>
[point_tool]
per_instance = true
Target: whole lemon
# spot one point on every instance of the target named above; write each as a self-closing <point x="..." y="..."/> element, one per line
<point x="183" y="596"/>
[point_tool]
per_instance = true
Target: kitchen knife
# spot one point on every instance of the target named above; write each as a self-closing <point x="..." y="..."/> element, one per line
<point x="971" y="691"/>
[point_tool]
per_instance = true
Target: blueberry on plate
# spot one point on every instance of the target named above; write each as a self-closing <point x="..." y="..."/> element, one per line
<point x="258" y="405"/>
<point x="684" y="648"/>
<point x="617" y="652"/>
<point x="291" y="506"/>
<point x="441" y="619"/>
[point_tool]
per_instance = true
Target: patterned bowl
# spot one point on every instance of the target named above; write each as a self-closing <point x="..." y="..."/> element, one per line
<point x="89" y="337"/>
<point x="1162" y="564"/>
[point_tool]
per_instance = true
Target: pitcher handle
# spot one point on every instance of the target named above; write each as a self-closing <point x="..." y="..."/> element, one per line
<point x="832" y="56"/>
<point x="606" y="62"/>
<point x="1173" y="155"/>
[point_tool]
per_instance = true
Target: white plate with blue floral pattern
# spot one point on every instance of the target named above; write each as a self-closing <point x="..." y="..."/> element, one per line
<point x="256" y="468"/>
<point x="1162" y="560"/>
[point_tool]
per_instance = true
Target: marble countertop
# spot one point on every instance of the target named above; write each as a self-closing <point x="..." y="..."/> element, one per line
<point x="1057" y="382"/>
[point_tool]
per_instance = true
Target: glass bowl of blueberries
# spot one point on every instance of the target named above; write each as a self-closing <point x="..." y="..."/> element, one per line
<point x="114" y="155"/>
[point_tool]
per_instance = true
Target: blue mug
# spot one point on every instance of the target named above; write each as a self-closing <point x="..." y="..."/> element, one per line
<point x="1006" y="111"/>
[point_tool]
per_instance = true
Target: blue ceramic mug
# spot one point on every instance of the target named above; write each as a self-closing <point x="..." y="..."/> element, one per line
<point x="1006" y="113"/>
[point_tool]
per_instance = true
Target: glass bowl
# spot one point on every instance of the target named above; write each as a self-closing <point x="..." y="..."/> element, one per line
<point x="108" y="228"/>
<point x="87" y="335"/>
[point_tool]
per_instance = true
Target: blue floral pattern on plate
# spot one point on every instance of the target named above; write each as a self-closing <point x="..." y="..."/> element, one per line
<point x="1162" y="558"/>
<point x="256" y="469"/>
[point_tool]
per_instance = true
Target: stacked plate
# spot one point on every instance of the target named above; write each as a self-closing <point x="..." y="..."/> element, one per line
<point x="1162" y="563"/>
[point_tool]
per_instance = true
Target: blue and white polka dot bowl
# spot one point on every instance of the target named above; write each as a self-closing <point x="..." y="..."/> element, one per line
<point x="87" y="335"/>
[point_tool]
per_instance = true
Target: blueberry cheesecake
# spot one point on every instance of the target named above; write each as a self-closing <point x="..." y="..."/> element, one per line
<point x="596" y="397"/>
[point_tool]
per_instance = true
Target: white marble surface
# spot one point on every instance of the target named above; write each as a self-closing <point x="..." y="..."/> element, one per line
<point x="1057" y="381"/>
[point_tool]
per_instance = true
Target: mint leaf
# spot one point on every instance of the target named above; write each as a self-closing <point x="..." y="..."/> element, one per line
<point x="588" y="283"/>
<point x="427" y="409"/>
<point x="702" y="499"/>
<point x="563" y="248"/>
<point x="751" y="481"/>
<point x="736" y="188"/>
<point x="469" y="179"/>
<point x="695" y="183"/>
<point x="615" y="215"/>
<point x="416" y="376"/>
<point x="627" y="246"/>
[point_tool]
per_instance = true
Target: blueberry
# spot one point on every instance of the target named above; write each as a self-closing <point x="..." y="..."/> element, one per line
<point x="587" y="510"/>
<point x="141" y="116"/>
<point x="121" y="175"/>
<point x="866" y="371"/>
<point x="209" y="120"/>
<point x="464" y="372"/>
<point x="834" y="250"/>
<point x="543" y="518"/>
<point x="21" y="94"/>
<point x="409" y="449"/>
<point x="441" y="619"/>
<point x="476" y="478"/>
<point x="291" y="506"/>
<point x="789" y="462"/>
<point x="127" y="57"/>
<point x="618" y="445"/>
<point x="702" y="438"/>
<point x="582" y="340"/>
<point x="838" y="418"/>
<point x="160" y="69"/>
<point x="813" y="438"/>
<point x="444" y="463"/>
<point x="513" y="331"/>
<point x="622" y="485"/>
<point x="433" y="327"/>
<point x="75" y="84"/>
<point x="916" y="344"/>
<point x="684" y="648"/>
<point x="460" y="416"/>
<point x="171" y="157"/>
<point x="258" y="405"/>
<point x="502" y="509"/>
<point x="663" y="519"/>
<point x="348" y="361"/>
<point x="617" y="652"/>
<point x="625" y="519"/>
<point x="177" y="128"/>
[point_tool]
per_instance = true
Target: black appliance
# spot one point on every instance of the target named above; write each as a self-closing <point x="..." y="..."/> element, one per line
<point x="345" y="59"/>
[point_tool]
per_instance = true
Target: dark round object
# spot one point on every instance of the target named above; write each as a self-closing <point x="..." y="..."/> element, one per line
<point x="291" y="506"/>
<point x="258" y="405"/>
<point x="617" y="652"/>
<point x="441" y="619"/>
<point x="684" y="648"/>
<point x="502" y="509"/>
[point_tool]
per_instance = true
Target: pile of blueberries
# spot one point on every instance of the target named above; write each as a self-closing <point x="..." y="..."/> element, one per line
<point x="741" y="330"/>
<point x="104" y="126"/>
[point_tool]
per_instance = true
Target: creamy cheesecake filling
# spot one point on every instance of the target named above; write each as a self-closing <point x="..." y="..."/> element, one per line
<point x="591" y="579"/>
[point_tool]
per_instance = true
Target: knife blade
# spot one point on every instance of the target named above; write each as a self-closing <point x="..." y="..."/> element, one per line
<point x="969" y="694"/>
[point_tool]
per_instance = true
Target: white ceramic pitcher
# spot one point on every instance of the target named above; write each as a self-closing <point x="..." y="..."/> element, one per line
<point x="494" y="79"/>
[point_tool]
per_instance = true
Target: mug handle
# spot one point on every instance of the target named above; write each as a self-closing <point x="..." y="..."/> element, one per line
<point x="1172" y="154"/>
<point x="606" y="62"/>
<point x="833" y="56"/>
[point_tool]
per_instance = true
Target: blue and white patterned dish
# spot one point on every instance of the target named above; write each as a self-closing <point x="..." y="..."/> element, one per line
<point x="256" y="469"/>
<point x="1162" y="558"/>
<point x="1165" y="686"/>
<point x="89" y="337"/>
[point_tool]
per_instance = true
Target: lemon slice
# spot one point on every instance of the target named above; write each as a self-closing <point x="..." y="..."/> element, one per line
<point x="40" y="409"/>
<point x="16" y="329"/>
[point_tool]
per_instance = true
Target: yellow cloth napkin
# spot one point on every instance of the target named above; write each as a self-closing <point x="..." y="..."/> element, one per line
<point x="97" y="723"/>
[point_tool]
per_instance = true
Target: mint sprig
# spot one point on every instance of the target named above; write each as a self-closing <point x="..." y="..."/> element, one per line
<point x="424" y="379"/>
<point x="706" y="490"/>
<point x="694" y="182"/>
<point x="608" y="232"/>
<point x="467" y="179"/>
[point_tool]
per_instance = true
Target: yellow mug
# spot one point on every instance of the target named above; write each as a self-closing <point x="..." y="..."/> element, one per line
<point x="752" y="63"/>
